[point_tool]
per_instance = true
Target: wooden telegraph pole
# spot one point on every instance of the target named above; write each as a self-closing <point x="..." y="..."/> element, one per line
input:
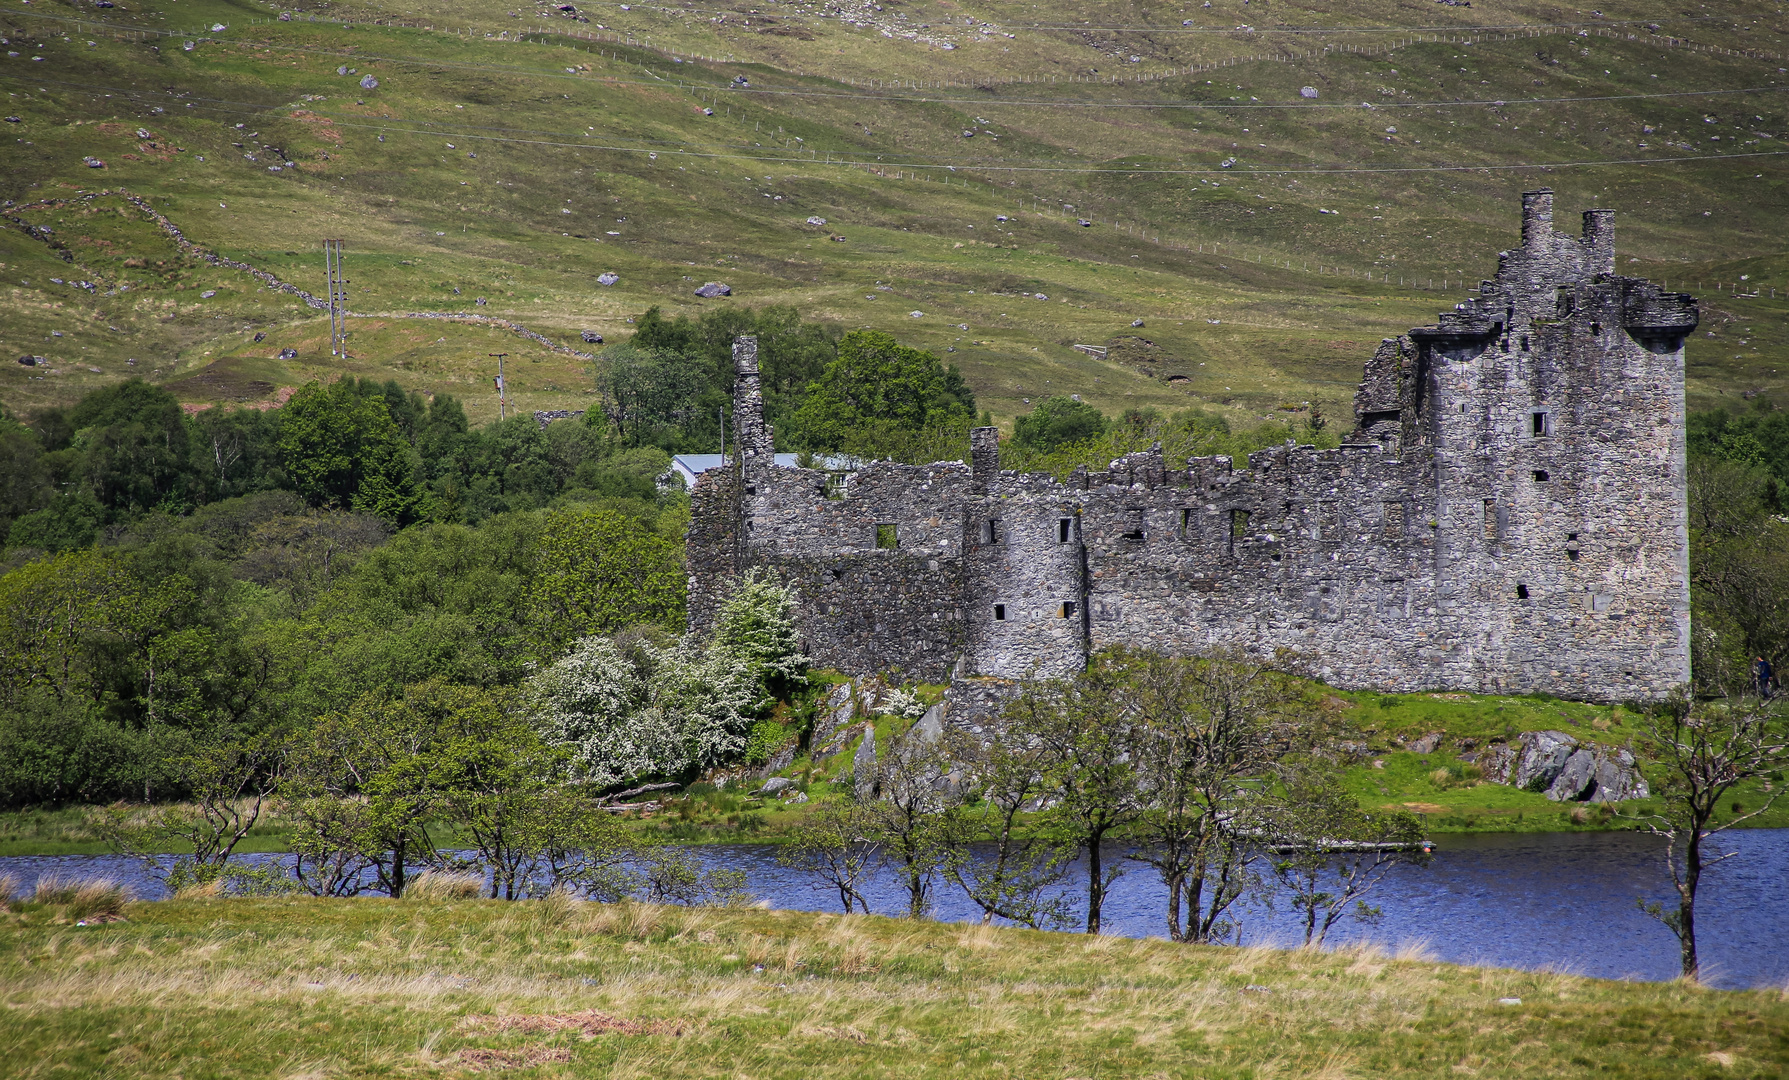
<point x="338" y="298"/>
<point x="502" y="402"/>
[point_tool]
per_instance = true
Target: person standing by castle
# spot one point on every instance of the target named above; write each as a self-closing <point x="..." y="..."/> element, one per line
<point x="1762" y="675"/>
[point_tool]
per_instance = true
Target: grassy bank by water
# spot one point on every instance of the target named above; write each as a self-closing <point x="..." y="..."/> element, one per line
<point x="314" y="988"/>
<point x="1384" y="775"/>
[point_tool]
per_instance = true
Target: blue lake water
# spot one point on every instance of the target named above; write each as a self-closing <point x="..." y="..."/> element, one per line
<point x="1565" y="901"/>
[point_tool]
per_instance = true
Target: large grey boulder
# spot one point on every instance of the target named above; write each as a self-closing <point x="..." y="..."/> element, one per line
<point x="863" y="765"/>
<point x="1540" y="757"/>
<point x="712" y="289"/>
<point x="930" y="727"/>
<point x="1565" y="770"/>
<point x="776" y="784"/>
<point x="1598" y="775"/>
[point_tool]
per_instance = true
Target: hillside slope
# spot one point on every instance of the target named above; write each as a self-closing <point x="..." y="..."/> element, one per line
<point x="1265" y="239"/>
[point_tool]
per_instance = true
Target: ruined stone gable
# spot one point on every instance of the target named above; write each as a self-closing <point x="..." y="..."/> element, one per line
<point x="1508" y="515"/>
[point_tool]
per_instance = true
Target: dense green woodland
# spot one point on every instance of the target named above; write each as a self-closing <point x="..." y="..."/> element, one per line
<point x="172" y="579"/>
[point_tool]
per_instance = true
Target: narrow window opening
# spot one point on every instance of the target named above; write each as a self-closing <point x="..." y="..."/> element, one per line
<point x="1186" y="525"/>
<point x="1133" y="524"/>
<point x="751" y="489"/>
<point x="1524" y="342"/>
<point x="990" y="531"/>
<point x="1462" y="408"/>
<point x="1490" y="519"/>
<point x="1239" y="526"/>
<point x="1063" y="529"/>
<point x="1538" y="423"/>
<point x="1596" y="329"/>
<point x="1521" y="592"/>
<point x="999" y="612"/>
<point x="1068" y="609"/>
<point x="886" y="537"/>
<point x="1540" y="476"/>
<point x="1571" y="554"/>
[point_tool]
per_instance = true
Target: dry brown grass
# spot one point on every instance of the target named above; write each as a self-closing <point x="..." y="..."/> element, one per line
<point x="89" y="899"/>
<point x="291" y="987"/>
<point x="441" y="885"/>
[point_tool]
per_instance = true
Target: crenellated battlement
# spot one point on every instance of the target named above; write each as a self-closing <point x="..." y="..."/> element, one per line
<point x="1508" y="514"/>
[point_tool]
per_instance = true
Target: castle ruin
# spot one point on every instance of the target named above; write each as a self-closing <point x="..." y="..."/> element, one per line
<point x="1508" y="515"/>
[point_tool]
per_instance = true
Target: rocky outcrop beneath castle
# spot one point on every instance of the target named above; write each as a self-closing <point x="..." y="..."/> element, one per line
<point x="1563" y="769"/>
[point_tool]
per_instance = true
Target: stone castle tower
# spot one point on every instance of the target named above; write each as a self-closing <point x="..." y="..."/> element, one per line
<point x="1508" y="515"/>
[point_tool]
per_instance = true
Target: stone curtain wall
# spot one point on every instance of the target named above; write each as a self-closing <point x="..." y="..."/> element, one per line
<point x="1509" y="515"/>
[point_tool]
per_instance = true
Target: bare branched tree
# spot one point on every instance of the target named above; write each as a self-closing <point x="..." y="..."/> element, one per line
<point x="1017" y="873"/>
<point x="1704" y="751"/>
<point x="1331" y="855"/>
<point x="909" y="815"/>
<point x="1214" y="732"/>
<point x="1083" y="729"/>
<point x="839" y="845"/>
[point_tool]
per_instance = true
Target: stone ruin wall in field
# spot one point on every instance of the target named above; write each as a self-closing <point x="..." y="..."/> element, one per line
<point x="1509" y="515"/>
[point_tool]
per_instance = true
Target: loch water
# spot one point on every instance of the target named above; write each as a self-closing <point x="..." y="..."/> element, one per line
<point x="1561" y="901"/>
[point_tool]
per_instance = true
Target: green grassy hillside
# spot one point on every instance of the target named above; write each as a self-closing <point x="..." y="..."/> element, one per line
<point x="513" y="155"/>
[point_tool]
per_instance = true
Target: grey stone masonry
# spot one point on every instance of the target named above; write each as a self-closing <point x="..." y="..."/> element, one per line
<point x="1507" y="515"/>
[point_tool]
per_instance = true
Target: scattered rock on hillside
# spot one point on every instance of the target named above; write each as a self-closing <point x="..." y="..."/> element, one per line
<point x="32" y="361"/>
<point x="713" y="289"/>
<point x="775" y="785"/>
<point x="1136" y="323"/>
<point x="93" y="163"/>
<point x="288" y="354"/>
<point x="369" y="83"/>
<point x="1307" y="91"/>
<point x="591" y="337"/>
<point x="835" y="712"/>
<point x="607" y="278"/>
<point x="1428" y="744"/>
<point x="816" y="220"/>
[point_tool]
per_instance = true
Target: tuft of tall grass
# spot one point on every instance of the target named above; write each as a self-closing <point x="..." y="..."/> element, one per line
<point x="439" y="885"/>
<point x="84" y="898"/>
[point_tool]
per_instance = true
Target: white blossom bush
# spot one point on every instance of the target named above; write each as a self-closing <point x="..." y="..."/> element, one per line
<point x="596" y="702"/>
<point x="904" y="704"/>
<point x="658" y="710"/>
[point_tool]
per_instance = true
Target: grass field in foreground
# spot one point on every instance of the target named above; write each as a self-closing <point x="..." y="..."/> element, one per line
<point x="309" y="988"/>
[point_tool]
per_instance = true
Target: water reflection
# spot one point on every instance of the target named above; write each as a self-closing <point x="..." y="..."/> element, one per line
<point x="1559" y="900"/>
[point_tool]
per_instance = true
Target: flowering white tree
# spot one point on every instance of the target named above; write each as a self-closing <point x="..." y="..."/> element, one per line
<point x="664" y="709"/>
<point x="597" y="702"/>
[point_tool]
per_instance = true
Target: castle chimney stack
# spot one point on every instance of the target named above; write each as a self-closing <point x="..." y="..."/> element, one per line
<point x="1537" y="218"/>
<point x="751" y="435"/>
<point x="1599" y="242"/>
<point x="984" y="456"/>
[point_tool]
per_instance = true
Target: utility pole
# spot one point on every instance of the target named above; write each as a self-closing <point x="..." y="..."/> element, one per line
<point x="338" y="298"/>
<point x="502" y="403"/>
